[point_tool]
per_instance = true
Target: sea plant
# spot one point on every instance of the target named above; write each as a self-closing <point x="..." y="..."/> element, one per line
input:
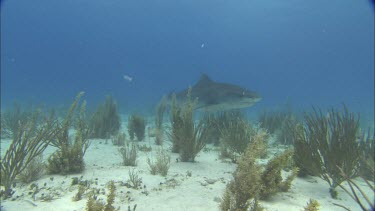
<point x="272" y="181"/>
<point x="272" y="120"/>
<point x="134" y="180"/>
<point x="356" y="190"/>
<point x="110" y="197"/>
<point x="69" y="156"/>
<point x="234" y="138"/>
<point x="93" y="204"/>
<point x="136" y="127"/>
<point x="188" y="139"/>
<point x="129" y="154"/>
<point x="34" y="170"/>
<point x="367" y="155"/>
<point x="161" y="164"/>
<point x="12" y="119"/>
<point x="29" y="142"/>
<point x="216" y="122"/>
<point x="160" y="110"/>
<point x="252" y="182"/>
<point x="119" y="139"/>
<point x="281" y="123"/>
<point x="159" y="131"/>
<point x="313" y="205"/>
<point x="106" y="121"/>
<point x="80" y="192"/>
<point x="326" y="142"/>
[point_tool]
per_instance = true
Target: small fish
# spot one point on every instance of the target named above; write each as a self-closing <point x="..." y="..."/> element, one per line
<point x="202" y="46"/>
<point x="128" y="78"/>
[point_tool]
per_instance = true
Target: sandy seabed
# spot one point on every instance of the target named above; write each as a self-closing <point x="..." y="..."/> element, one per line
<point x="202" y="190"/>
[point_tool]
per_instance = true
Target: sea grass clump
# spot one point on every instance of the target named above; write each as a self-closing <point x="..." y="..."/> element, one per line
<point x="129" y="154"/>
<point x="159" y="130"/>
<point x="106" y="121"/>
<point x="188" y="139"/>
<point x="281" y="123"/>
<point x="217" y="122"/>
<point x="69" y="156"/>
<point x="33" y="171"/>
<point x="111" y="197"/>
<point x="12" y="119"/>
<point x="234" y="138"/>
<point x="94" y="204"/>
<point x="327" y="142"/>
<point x="313" y="205"/>
<point x="355" y="191"/>
<point x="272" y="181"/>
<point x="253" y="182"/>
<point x="29" y="142"/>
<point x="161" y="164"/>
<point x="367" y="155"/>
<point x="136" y="127"/>
<point x="119" y="139"/>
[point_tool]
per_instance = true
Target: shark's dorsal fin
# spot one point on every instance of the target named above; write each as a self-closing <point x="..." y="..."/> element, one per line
<point x="204" y="80"/>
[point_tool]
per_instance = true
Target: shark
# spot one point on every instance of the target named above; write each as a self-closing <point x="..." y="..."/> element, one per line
<point x="216" y="96"/>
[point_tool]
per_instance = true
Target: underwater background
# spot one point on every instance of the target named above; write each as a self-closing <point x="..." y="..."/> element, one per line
<point x="309" y="53"/>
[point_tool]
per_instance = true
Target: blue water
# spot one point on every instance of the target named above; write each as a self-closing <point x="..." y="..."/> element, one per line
<point x="317" y="52"/>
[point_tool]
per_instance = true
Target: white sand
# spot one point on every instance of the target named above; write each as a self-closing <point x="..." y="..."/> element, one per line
<point x="176" y="191"/>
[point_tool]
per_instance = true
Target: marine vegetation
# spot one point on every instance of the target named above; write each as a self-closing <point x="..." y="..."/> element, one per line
<point x="253" y="182"/>
<point x="106" y="121"/>
<point x="272" y="181"/>
<point x="136" y="127"/>
<point x="217" y="121"/>
<point x="235" y="135"/>
<point x="161" y="164"/>
<point x="326" y="142"/>
<point x="69" y="156"/>
<point x="29" y="142"/>
<point x="129" y="154"/>
<point x="119" y="139"/>
<point x="281" y="123"/>
<point x="313" y="205"/>
<point x="367" y="153"/>
<point x="33" y="171"/>
<point x="80" y="192"/>
<point x="355" y="189"/>
<point x="160" y="110"/>
<point x="134" y="180"/>
<point x="12" y="119"/>
<point x="188" y="139"/>
<point x="93" y="204"/>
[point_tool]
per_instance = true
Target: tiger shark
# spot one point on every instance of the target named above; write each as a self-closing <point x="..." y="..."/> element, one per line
<point x="216" y="96"/>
